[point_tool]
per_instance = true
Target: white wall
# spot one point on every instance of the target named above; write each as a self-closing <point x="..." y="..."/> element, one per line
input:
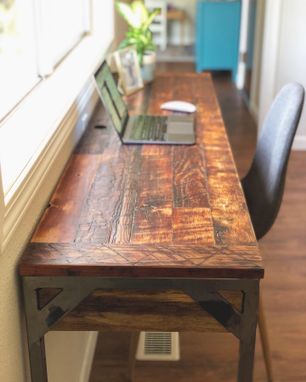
<point x="257" y="54"/>
<point x="70" y="355"/>
<point x="284" y="55"/>
<point x="243" y="43"/>
<point x="2" y="212"/>
<point x="256" y="75"/>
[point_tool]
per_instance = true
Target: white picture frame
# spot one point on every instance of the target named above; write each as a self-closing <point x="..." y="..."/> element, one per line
<point x="129" y="70"/>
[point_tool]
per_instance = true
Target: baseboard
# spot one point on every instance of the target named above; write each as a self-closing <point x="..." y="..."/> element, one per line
<point x="240" y="75"/>
<point x="299" y="143"/>
<point x="88" y="356"/>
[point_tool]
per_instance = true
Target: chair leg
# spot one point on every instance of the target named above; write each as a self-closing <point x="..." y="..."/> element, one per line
<point x="265" y="340"/>
<point x="132" y="355"/>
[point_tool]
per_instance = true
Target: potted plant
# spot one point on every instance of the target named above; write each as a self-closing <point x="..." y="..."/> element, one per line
<point x="139" y="35"/>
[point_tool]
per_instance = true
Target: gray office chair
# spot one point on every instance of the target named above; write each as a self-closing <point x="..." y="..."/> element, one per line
<point x="264" y="184"/>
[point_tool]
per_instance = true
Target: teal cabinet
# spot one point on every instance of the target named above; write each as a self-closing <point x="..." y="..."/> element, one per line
<point x="217" y="35"/>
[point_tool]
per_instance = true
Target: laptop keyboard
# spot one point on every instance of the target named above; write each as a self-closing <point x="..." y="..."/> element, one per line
<point x="150" y="128"/>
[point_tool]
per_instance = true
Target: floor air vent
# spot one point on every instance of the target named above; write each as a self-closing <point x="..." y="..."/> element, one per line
<point x="158" y="346"/>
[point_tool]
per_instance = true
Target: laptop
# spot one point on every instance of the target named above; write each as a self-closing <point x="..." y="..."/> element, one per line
<point x="141" y="129"/>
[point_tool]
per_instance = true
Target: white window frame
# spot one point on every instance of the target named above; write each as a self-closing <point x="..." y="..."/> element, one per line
<point x="46" y="59"/>
<point x="16" y="84"/>
<point x="70" y="78"/>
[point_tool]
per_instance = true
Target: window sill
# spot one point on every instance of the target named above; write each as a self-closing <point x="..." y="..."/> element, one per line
<point x="50" y="113"/>
<point x="35" y="120"/>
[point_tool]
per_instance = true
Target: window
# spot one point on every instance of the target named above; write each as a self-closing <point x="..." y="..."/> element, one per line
<point x="57" y="45"/>
<point x="34" y="37"/>
<point x="18" y="71"/>
<point x="60" y="26"/>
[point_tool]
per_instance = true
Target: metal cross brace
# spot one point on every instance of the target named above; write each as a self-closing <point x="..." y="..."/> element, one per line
<point x="73" y="290"/>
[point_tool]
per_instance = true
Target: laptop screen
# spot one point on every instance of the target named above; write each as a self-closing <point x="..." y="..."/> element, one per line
<point x="111" y="97"/>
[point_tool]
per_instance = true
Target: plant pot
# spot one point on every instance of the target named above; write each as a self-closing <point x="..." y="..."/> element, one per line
<point x="148" y="66"/>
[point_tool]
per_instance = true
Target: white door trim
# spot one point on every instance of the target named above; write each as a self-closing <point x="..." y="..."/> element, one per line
<point x="270" y="56"/>
<point x="243" y="43"/>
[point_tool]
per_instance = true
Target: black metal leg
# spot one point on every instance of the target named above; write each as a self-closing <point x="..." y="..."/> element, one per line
<point x="36" y="346"/>
<point x="39" y="321"/>
<point x="248" y="335"/>
<point x="38" y="361"/>
<point x="74" y="289"/>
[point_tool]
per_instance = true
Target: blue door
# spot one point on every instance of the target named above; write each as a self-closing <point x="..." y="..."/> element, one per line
<point x="217" y="35"/>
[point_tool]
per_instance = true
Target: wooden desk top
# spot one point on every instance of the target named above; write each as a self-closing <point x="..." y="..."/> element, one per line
<point x="149" y="211"/>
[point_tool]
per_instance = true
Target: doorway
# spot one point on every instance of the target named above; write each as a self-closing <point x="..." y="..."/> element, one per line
<point x="174" y="29"/>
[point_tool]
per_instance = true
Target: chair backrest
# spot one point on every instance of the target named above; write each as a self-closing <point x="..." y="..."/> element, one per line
<point x="264" y="184"/>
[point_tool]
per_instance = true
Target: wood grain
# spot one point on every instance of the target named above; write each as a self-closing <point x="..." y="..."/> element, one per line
<point x="213" y="357"/>
<point x="140" y="260"/>
<point x="139" y="310"/>
<point x="150" y="210"/>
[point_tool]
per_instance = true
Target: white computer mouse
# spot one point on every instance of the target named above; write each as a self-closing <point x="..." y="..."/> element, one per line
<point x="185" y="107"/>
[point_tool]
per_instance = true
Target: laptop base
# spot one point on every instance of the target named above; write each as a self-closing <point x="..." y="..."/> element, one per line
<point x="171" y="130"/>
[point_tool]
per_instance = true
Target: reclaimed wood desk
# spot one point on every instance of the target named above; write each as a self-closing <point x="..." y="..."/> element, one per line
<point x="147" y="237"/>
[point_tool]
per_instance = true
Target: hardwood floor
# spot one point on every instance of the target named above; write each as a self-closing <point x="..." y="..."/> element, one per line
<point x="177" y="53"/>
<point x="213" y="357"/>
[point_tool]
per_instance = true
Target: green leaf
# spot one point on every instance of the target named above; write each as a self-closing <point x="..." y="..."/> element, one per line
<point x="142" y="39"/>
<point x="139" y="20"/>
<point x="151" y="18"/>
<point x="140" y="11"/>
<point x="126" y="11"/>
<point x="124" y="44"/>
